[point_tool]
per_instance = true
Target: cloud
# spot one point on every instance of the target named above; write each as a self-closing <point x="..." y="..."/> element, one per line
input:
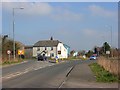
<point x="92" y="33"/>
<point x="30" y="8"/>
<point x="40" y="8"/>
<point x="100" y="11"/>
<point x="67" y="16"/>
<point x="89" y="32"/>
<point x="64" y="14"/>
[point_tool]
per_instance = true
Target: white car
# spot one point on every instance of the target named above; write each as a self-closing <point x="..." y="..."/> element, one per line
<point x="93" y="57"/>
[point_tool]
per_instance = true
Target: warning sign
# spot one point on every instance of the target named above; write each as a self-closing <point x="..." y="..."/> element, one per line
<point x="20" y="52"/>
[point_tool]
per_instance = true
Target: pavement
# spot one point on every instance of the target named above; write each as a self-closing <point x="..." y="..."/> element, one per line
<point x="82" y="77"/>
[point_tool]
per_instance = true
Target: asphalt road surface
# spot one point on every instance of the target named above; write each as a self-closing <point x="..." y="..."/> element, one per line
<point x="24" y="66"/>
<point x="45" y="74"/>
<point x="52" y="76"/>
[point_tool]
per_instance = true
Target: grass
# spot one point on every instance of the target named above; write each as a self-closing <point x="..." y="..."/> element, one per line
<point x="102" y="75"/>
<point x="8" y="62"/>
<point x="11" y="62"/>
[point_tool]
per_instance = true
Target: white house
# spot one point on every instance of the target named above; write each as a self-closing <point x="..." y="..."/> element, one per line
<point x="51" y="48"/>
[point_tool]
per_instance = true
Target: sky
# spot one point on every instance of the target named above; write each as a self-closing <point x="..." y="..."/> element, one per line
<point x="81" y="25"/>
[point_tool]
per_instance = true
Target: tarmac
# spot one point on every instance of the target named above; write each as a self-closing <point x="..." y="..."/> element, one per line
<point x="82" y="77"/>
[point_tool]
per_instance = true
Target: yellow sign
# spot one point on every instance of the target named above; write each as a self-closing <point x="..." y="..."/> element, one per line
<point x="20" y="52"/>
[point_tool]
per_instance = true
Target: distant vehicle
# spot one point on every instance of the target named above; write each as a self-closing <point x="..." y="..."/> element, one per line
<point x="41" y="57"/>
<point x="93" y="57"/>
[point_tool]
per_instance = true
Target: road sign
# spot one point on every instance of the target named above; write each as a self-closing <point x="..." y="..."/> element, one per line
<point x="8" y="52"/>
<point x="107" y="52"/>
<point x="20" y="52"/>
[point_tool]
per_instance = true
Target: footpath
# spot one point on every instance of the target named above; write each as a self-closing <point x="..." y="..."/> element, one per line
<point x="82" y="77"/>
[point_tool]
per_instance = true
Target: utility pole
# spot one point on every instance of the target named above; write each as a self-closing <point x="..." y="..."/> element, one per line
<point x="110" y="28"/>
<point x="14" y="30"/>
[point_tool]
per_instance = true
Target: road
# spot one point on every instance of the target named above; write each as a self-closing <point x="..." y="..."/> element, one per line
<point x="24" y="66"/>
<point x="51" y="75"/>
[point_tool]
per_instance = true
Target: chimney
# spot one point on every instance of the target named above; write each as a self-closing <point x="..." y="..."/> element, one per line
<point x="51" y="38"/>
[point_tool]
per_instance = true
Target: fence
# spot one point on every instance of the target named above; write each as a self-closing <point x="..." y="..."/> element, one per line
<point x="111" y="65"/>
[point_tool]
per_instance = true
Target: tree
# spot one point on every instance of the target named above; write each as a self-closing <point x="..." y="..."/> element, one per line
<point x="89" y="53"/>
<point x="81" y="52"/>
<point x="95" y="50"/>
<point x="106" y="47"/>
<point x="8" y="45"/>
<point x="72" y="52"/>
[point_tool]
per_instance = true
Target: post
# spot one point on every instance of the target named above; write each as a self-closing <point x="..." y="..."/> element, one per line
<point x="9" y="56"/>
<point x="111" y="42"/>
<point x="110" y="28"/>
<point x="14" y="31"/>
<point x="13" y="35"/>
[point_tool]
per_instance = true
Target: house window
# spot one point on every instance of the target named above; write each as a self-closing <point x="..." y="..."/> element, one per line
<point x="59" y="52"/>
<point x="52" y="54"/>
<point x="51" y="48"/>
<point x="38" y="49"/>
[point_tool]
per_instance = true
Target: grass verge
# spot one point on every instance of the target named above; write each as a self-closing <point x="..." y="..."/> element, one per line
<point x="7" y="62"/>
<point x="102" y="75"/>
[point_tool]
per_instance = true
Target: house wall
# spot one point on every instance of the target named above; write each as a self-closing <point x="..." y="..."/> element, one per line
<point x="60" y="47"/>
<point x="50" y="52"/>
<point x="68" y="49"/>
<point x="34" y="51"/>
<point x="38" y="50"/>
<point x="63" y="50"/>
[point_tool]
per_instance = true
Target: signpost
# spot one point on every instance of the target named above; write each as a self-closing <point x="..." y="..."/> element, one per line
<point x="8" y="52"/>
<point x="20" y="52"/>
<point x="108" y="53"/>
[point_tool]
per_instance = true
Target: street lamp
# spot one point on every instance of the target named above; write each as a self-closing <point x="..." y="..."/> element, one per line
<point x="111" y="38"/>
<point x="14" y="30"/>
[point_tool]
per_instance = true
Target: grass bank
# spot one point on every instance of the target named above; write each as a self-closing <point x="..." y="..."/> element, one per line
<point x="102" y="75"/>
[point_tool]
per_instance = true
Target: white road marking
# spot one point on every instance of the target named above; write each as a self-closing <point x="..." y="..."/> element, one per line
<point x="38" y="68"/>
<point x="11" y="75"/>
<point x="34" y="67"/>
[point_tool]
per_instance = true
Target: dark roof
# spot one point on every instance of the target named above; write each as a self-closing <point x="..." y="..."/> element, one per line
<point x="47" y="43"/>
<point x="28" y="47"/>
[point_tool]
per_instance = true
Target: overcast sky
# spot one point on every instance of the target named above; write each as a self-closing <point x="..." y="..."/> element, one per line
<point x="81" y="25"/>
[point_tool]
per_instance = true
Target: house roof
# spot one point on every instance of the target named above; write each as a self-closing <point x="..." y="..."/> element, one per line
<point x="66" y="46"/>
<point x="28" y="46"/>
<point x="46" y="43"/>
